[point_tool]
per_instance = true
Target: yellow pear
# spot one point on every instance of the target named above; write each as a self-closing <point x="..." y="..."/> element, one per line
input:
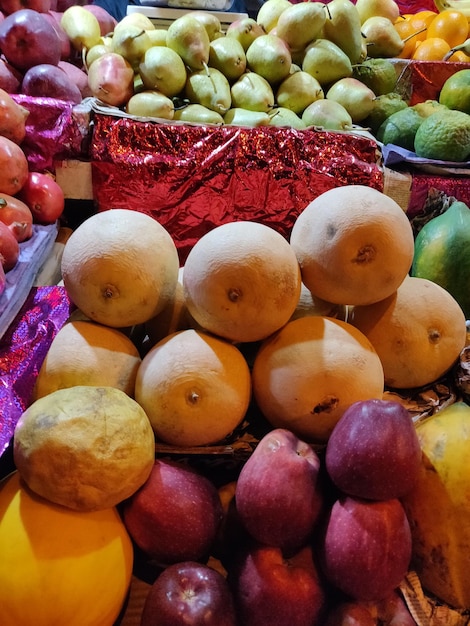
<point x="150" y="103"/>
<point x="131" y="42"/>
<point x="188" y="37"/>
<point x="343" y="27"/>
<point x="381" y="38"/>
<point x="378" y="8"/>
<point x="81" y="27"/>
<point x="162" y="69"/>
<point x="209" y="88"/>
<point x="326" y="62"/>
<point x="297" y="91"/>
<point x="301" y="23"/>
<point x="269" y="13"/>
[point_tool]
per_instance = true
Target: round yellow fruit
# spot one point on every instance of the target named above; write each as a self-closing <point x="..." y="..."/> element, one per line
<point x="120" y="267"/>
<point x="86" y="353"/>
<point x="308" y="373"/>
<point x="194" y="387"/>
<point x="418" y="332"/>
<point x="59" y="566"/>
<point x="86" y="448"/>
<point x="241" y="281"/>
<point x="354" y="245"/>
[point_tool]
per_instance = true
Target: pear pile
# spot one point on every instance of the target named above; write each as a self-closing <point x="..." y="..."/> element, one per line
<point x="295" y="65"/>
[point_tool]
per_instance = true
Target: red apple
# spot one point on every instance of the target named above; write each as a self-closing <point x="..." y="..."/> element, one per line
<point x="175" y="515"/>
<point x="44" y="197"/>
<point x="10" y="6"/>
<point x="27" y="39"/>
<point x="50" y="81"/>
<point x="77" y="76"/>
<point x="106" y="21"/>
<point x="190" y="594"/>
<point x="269" y="588"/>
<point x="350" y="614"/>
<point x="65" y="44"/>
<point x="270" y="508"/>
<point x="374" y="451"/>
<point x="366" y="547"/>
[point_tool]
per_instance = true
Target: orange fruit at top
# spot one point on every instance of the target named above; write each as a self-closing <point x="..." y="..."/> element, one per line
<point x="411" y="32"/>
<point x="450" y="25"/>
<point x="459" y="57"/>
<point x="432" y="49"/>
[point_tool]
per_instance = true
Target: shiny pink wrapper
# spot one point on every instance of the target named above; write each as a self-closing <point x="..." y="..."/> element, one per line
<point x="192" y="178"/>
<point x="55" y="130"/>
<point x="23" y="349"/>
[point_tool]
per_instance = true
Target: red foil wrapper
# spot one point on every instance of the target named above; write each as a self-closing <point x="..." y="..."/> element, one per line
<point x="55" y="130"/>
<point x="422" y="80"/>
<point x="23" y="349"/>
<point x="453" y="186"/>
<point x="192" y="178"/>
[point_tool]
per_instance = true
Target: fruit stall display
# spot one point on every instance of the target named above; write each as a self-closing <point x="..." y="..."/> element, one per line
<point x="161" y="410"/>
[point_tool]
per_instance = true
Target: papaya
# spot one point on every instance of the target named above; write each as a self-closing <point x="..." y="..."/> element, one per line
<point x="442" y="253"/>
<point x="438" y="507"/>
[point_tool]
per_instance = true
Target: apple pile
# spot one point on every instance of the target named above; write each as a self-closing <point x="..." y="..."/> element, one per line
<point x="304" y="537"/>
<point x="38" y="57"/>
<point x="26" y="197"/>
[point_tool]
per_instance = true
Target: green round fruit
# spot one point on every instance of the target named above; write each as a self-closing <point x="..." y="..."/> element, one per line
<point x="444" y="136"/>
<point x="400" y="128"/>
<point x="455" y="92"/>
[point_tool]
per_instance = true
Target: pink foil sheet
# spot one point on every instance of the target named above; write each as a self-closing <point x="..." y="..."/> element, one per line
<point x="192" y="178"/>
<point x="453" y="186"/>
<point x="23" y="349"/>
<point x="55" y="130"/>
<point x="422" y="80"/>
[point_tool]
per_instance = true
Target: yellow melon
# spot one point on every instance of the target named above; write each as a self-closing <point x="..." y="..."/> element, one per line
<point x="241" y="281"/>
<point x="120" y="267"/>
<point x="60" y="566"/>
<point x="86" y="353"/>
<point x="86" y="448"/>
<point x="354" y="245"/>
<point x="418" y="332"/>
<point x="194" y="387"/>
<point x="309" y="372"/>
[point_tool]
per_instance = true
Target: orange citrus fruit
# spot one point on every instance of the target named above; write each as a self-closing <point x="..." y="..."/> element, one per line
<point x="459" y="56"/>
<point x="450" y="25"/>
<point x="410" y="35"/>
<point x="431" y="49"/>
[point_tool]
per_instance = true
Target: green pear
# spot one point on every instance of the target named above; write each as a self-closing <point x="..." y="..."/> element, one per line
<point x="298" y="90"/>
<point x="381" y="38"/>
<point x="198" y="114"/>
<point x="301" y="23"/>
<point x="327" y="114"/>
<point x="209" y="88"/>
<point x="137" y="19"/>
<point x="356" y="98"/>
<point x="81" y="26"/>
<point x="162" y="69"/>
<point x="150" y="103"/>
<point x="252" y="92"/>
<point x="270" y="57"/>
<point x="243" y="117"/>
<point x="269" y="12"/>
<point x="377" y="8"/>
<point x="246" y="30"/>
<point x="286" y="118"/>
<point x="131" y="42"/>
<point x="343" y="27"/>
<point x="211" y="23"/>
<point x="157" y="36"/>
<point x="189" y="38"/>
<point x="228" y="56"/>
<point x="326" y="62"/>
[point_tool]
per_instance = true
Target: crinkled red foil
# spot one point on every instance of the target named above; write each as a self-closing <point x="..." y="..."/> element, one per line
<point x="193" y="178"/>
<point x="55" y="130"/>
<point x="453" y="186"/>
<point x="23" y="349"/>
<point x="423" y="80"/>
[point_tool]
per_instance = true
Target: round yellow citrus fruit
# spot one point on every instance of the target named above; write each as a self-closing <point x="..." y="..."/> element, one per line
<point x="60" y="566"/>
<point x="194" y="387"/>
<point x="354" y="245"/>
<point x="120" y="267"/>
<point x="418" y="332"/>
<point x="86" y="448"/>
<point x="309" y="372"/>
<point x="87" y="353"/>
<point x="241" y="281"/>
